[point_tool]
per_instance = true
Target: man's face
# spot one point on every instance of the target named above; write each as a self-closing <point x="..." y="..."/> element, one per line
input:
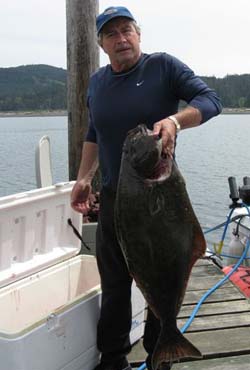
<point x="121" y="42"/>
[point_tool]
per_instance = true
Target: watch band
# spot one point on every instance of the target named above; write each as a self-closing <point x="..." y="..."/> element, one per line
<point x="177" y="125"/>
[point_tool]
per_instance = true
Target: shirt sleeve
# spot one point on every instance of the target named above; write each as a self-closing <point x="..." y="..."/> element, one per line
<point x="190" y="88"/>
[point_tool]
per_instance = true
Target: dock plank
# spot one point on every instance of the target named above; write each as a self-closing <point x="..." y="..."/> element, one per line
<point x="206" y="270"/>
<point x="212" y="323"/>
<point x="229" y="293"/>
<point x="202" y="262"/>
<point x="204" y="282"/>
<point x="224" y="363"/>
<point x="221" y="342"/>
<point x="216" y="308"/>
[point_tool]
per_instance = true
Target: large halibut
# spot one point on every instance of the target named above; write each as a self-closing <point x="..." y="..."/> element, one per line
<point x="159" y="234"/>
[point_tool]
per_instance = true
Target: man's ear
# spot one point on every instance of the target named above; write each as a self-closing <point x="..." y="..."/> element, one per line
<point x="101" y="45"/>
<point x="99" y="41"/>
<point x="139" y="36"/>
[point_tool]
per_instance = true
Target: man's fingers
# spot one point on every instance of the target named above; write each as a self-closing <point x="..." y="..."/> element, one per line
<point x="80" y="207"/>
<point x="157" y="128"/>
<point x="168" y="141"/>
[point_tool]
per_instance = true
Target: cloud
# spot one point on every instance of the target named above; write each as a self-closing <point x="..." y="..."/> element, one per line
<point x="210" y="36"/>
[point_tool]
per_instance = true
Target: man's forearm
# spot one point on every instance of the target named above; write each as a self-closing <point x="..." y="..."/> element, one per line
<point x="89" y="161"/>
<point x="188" y="117"/>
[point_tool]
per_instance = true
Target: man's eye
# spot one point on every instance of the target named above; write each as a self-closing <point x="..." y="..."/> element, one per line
<point x="127" y="31"/>
<point x="110" y="34"/>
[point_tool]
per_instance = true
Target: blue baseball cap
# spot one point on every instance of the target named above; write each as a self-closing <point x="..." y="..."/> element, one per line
<point x="111" y="13"/>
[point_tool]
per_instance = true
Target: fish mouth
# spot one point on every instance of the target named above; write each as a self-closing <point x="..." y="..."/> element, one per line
<point x="163" y="167"/>
<point x="155" y="167"/>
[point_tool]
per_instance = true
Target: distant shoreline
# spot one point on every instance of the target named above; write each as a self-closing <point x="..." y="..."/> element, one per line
<point x="58" y="113"/>
<point x="236" y="111"/>
<point x="53" y="113"/>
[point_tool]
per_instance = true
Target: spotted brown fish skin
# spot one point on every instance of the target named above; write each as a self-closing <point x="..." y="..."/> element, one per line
<point x="160" y="237"/>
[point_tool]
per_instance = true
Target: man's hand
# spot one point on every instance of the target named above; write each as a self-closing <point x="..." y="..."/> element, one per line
<point x="80" y="196"/>
<point x="167" y="130"/>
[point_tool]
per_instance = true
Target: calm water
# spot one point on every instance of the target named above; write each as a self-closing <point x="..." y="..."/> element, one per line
<point x="18" y="141"/>
<point x="207" y="156"/>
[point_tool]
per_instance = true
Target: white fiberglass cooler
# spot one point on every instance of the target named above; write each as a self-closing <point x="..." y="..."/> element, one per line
<point x="49" y="294"/>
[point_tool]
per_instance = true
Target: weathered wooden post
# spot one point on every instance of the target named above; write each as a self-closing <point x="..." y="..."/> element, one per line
<point x="82" y="60"/>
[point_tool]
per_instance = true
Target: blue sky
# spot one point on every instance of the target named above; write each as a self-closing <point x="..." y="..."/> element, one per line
<point x="211" y="36"/>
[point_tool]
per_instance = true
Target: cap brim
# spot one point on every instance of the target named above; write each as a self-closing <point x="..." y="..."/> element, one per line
<point x="111" y="18"/>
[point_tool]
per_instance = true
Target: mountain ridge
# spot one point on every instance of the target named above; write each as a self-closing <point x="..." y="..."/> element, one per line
<point x="37" y="87"/>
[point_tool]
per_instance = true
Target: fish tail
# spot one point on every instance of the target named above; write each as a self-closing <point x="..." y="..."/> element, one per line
<point x="172" y="346"/>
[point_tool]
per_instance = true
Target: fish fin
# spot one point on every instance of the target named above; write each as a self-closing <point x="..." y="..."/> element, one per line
<point x="200" y="246"/>
<point x="172" y="347"/>
<point x="199" y="242"/>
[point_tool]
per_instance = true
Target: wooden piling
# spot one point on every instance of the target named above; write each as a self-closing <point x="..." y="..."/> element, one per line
<point x="82" y="61"/>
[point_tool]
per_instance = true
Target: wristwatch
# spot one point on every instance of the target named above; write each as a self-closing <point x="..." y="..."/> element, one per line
<point x="177" y="125"/>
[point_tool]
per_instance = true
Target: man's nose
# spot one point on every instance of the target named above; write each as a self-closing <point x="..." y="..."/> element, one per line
<point x="121" y="37"/>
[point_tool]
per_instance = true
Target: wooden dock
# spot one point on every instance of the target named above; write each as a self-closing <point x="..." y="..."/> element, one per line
<point x="221" y="328"/>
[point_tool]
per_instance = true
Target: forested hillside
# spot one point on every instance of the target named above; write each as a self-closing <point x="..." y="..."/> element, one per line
<point x="43" y="87"/>
<point x="234" y="90"/>
<point x="32" y="87"/>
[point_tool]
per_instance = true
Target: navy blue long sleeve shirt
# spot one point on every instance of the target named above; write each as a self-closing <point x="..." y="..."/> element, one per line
<point x="147" y="93"/>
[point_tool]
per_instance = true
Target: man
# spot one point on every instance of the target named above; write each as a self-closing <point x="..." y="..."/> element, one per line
<point x="135" y="88"/>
